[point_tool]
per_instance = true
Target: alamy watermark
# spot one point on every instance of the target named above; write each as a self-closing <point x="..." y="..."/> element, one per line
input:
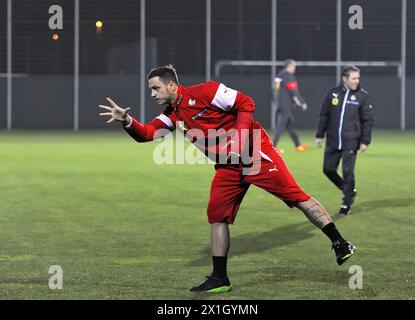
<point x="56" y="281"/>
<point x="217" y="146"/>
<point x="56" y="20"/>
<point x="356" y="20"/>
<point x="356" y="280"/>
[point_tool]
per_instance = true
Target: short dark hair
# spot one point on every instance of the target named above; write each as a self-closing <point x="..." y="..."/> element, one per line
<point x="288" y="62"/>
<point x="165" y="73"/>
<point x="347" y="70"/>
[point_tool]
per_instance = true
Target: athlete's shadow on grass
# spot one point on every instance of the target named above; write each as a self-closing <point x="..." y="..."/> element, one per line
<point x="293" y="233"/>
<point x="380" y="204"/>
<point x="307" y="273"/>
<point x="278" y="274"/>
<point x="262" y="241"/>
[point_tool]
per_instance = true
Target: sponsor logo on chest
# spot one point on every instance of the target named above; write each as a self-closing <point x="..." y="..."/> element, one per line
<point x="353" y="100"/>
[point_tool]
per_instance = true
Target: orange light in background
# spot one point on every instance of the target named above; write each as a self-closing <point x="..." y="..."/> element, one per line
<point x="55" y="36"/>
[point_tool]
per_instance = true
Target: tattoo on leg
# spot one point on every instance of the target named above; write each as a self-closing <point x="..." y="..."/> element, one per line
<point x="315" y="212"/>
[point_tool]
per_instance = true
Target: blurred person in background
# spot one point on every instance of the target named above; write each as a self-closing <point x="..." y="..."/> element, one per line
<point x="286" y="96"/>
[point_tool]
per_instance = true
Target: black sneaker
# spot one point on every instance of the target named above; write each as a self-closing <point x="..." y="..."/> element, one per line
<point x="345" y="210"/>
<point x="213" y="284"/>
<point x="344" y="250"/>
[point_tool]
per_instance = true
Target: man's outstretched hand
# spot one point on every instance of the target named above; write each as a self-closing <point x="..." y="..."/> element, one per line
<point x="116" y="113"/>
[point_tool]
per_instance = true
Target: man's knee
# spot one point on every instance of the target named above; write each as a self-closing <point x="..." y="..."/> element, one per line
<point x="348" y="175"/>
<point x="220" y="219"/>
<point x="329" y="171"/>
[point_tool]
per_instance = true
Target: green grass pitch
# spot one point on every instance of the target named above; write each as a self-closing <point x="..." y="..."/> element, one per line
<point x="123" y="227"/>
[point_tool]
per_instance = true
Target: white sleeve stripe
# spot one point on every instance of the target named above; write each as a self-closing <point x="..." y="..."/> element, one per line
<point x="224" y="97"/>
<point x="166" y="120"/>
<point x="265" y="156"/>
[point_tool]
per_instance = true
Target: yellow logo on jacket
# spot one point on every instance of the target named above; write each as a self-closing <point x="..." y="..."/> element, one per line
<point x="335" y="101"/>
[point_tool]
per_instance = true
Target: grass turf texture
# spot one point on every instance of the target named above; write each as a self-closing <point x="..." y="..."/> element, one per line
<point x="122" y="227"/>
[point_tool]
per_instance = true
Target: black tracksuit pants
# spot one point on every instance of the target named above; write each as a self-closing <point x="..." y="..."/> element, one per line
<point x="285" y="120"/>
<point x="346" y="183"/>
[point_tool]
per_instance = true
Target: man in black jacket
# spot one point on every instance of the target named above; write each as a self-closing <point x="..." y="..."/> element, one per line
<point x="346" y="118"/>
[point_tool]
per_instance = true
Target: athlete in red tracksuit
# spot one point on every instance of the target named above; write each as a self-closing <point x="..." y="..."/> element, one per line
<point x="219" y="121"/>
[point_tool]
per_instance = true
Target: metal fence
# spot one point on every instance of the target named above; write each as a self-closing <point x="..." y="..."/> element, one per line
<point x="57" y="84"/>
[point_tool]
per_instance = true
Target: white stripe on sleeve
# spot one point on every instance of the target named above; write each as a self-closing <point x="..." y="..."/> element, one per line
<point x="167" y="121"/>
<point x="224" y="97"/>
<point x="265" y="156"/>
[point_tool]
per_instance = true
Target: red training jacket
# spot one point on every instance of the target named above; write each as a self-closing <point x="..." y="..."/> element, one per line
<point x="217" y="119"/>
